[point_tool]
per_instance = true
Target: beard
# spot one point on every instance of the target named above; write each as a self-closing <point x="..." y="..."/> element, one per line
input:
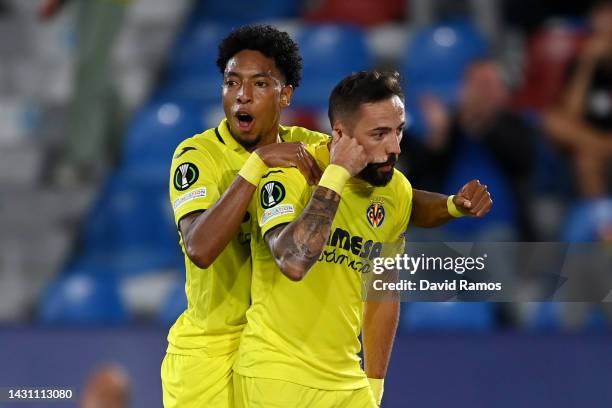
<point x="372" y="174"/>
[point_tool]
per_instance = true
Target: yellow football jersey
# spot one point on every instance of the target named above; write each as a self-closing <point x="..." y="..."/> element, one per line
<point x="203" y="167"/>
<point x="307" y="332"/>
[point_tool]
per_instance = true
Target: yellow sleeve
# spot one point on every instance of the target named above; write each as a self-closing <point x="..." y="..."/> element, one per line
<point x="193" y="180"/>
<point x="405" y="195"/>
<point x="280" y="198"/>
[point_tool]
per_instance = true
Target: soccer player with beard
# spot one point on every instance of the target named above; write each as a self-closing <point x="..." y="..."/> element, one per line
<point x="213" y="177"/>
<point x="301" y="342"/>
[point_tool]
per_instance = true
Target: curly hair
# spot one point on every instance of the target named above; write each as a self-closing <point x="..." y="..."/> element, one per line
<point x="271" y="42"/>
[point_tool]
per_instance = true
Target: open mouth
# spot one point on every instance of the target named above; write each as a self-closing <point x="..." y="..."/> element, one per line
<point x="245" y="121"/>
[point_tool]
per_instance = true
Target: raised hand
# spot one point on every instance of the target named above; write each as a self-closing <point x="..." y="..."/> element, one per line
<point x="291" y="154"/>
<point x="345" y="151"/>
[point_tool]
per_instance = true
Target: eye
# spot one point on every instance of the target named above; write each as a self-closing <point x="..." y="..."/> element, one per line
<point x="261" y="84"/>
<point x="230" y="82"/>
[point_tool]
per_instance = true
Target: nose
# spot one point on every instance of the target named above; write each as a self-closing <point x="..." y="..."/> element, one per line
<point x="244" y="94"/>
<point x="393" y="145"/>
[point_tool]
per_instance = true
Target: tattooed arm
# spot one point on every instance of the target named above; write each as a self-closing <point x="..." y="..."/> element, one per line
<point x="297" y="246"/>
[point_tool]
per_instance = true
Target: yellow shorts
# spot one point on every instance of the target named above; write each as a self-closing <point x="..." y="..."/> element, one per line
<point x="252" y="392"/>
<point x="197" y="381"/>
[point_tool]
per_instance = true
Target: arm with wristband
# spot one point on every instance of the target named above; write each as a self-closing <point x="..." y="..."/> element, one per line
<point x="296" y="246"/>
<point x="228" y="212"/>
<point x="224" y="216"/>
<point x="432" y="209"/>
<point x="379" y="327"/>
<point x="380" y="320"/>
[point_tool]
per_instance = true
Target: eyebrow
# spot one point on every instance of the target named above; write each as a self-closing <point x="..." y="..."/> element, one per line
<point x="386" y="128"/>
<point x="257" y="75"/>
<point x="381" y="129"/>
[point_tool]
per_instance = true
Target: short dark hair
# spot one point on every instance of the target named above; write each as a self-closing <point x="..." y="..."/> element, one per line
<point x="271" y="42"/>
<point x="362" y="87"/>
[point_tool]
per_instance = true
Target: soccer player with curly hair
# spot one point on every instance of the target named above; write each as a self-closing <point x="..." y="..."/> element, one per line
<point x="213" y="177"/>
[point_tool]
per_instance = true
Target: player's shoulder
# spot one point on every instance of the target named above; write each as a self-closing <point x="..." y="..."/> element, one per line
<point x="300" y="134"/>
<point x="201" y="144"/>
<point x="284" y="186"/>
<point x="288" y="178"/>
<point x="289" y="175"/>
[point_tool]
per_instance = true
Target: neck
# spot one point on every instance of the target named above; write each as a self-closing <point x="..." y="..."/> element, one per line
<point x="270" y="137"/>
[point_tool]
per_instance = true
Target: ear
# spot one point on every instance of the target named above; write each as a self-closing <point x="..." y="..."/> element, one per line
<point x="339" y="128"/>
<point x="286" y="95"/>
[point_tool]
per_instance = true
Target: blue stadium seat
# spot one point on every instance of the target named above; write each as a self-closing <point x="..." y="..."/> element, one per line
<point x="130" y="229"/>
<point x="82" y="299"/>
<point x="448" y="316"/>
<point x="174" y="304"/>
<point x="330" y="53"/>
<point x="434" y="63"/>
<point x="200" y="88"/>
<point x="195" y="51"/>
<point x="438" y="55"/>
<point x="586" y="219"/>
<point x="156" y="130"/>
<point x="192" y="70"/>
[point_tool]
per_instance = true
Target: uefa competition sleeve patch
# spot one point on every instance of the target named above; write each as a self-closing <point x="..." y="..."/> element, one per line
<point x="272" y="193"/>
<point x="192" y="195"/>
<point x="185" y="175"/>
<point x="275" y="212"/>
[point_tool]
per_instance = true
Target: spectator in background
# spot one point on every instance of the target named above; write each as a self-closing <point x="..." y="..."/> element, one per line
<point x="582" y="122"/>
<point x="482" y="119"/>
<point x="107" y="387"/>
<point x="95" y="121"/>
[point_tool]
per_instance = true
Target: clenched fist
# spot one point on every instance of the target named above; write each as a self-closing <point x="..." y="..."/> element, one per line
<point x="473" y="199"/>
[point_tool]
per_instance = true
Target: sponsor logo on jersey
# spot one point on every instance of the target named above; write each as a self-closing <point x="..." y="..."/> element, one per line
<point x="359" y="246"/>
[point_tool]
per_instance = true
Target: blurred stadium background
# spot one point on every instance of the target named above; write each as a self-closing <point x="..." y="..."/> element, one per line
<point x="94" y="98"/>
